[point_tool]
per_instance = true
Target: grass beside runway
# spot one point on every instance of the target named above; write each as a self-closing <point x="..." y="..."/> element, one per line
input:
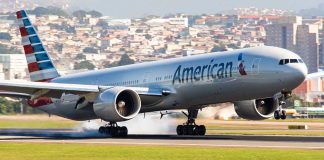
<point x="320" y="120"/>
<point x="36" y="124"/>
<point x="267" y="132"/>
<point x="49" y="151"/>
<point x="35" y="121"/>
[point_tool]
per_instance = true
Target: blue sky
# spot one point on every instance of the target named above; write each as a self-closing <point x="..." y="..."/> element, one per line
<point x="139" y="8"/>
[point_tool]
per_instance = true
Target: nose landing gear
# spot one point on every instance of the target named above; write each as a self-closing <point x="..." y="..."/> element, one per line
<point x="281" y="113"/>
<point x="190" y="127"/>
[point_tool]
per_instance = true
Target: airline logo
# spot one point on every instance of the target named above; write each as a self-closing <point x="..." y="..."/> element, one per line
<point x="211" y="70"/>
<point x="241" y="65"/>
<point x="40" y="66"/>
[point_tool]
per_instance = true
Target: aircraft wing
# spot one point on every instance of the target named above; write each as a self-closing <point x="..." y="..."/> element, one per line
<point x="25" y="89"/>
<point x="37" y="89"/>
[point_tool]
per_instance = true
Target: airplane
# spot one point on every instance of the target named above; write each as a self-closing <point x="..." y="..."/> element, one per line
<point x="257" y="80"/>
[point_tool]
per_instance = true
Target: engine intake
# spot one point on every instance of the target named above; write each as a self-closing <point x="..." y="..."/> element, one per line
<point x="117" y="104"/>
<point x="256" y="109"/>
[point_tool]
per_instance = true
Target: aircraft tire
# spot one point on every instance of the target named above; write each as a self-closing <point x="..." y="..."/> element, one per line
<point x="276" y="115"/>
<point x="180" y="129"/>
<point x="201" y="130"/>
<point x="283" y="114"/>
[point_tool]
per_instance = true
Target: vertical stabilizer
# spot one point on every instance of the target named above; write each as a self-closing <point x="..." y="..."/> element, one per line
<point x="40" y="65"/>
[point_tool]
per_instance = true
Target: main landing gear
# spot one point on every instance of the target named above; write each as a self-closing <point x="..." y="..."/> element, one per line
<point x="280" y="113"/>
<point x="114" y="130"/>
<point x="190" y="127"/>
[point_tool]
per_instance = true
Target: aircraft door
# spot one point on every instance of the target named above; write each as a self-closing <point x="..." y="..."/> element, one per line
<point x="147" y="77"/>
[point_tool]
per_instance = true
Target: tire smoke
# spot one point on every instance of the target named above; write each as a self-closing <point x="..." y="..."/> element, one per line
<point x="151" y="124"/>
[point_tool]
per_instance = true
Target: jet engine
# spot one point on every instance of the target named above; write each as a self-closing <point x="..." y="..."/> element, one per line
<point x="117" y="104"/>
<point x="258" y="109"/>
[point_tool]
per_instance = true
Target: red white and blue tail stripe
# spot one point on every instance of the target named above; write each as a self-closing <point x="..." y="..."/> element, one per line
<point x="40" y="65"/>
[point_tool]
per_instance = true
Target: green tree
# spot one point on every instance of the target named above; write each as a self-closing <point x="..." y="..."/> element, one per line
<point x="9" y="107"/>
<point x="125" y="60"/>
<point x="79" y="14"/>
<point x="3" y="109"/>
<point x="94" y="13"/>
<point x="50" y="10"/>
<point x="102" y="24"/>
<point x="84" y="65"/>
<point x="80" y="56"/>
<point x="234" y="46"/>
<point x="247" y="46"/>
<point x="90" y="50"/>
<point x="218" y="48"/>
<point x="148" y="36"/>
<point x="109" y="65"/>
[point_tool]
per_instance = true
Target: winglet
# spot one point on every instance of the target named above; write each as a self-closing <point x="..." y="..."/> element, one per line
<point x="40" y="65"/>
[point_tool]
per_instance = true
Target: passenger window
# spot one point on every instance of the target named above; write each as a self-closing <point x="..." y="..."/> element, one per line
<point x="286" y="61"/>
<point x="293" y="61"/>
<point x="281" y="62"/>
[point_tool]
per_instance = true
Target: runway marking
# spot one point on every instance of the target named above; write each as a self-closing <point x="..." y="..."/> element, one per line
<point x="161" y="144"/>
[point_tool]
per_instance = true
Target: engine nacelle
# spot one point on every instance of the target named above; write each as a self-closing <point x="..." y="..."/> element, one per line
<point x="117" y="104"/>
<point x="256" y="109"/>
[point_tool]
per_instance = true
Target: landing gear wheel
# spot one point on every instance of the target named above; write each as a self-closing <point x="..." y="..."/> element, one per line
<point x="190" y="127"/>
<point x="280" y="114"/>
<point x="190" y="130"/>
<point x="283" y="114"/>
<point x="124" y="131"/>
<point x="113" y="130"/>
<point x="201" y="130"/>
<point x="276" y="115"/>
<point x="180" y="130"/>
<point x="101" y="130"/>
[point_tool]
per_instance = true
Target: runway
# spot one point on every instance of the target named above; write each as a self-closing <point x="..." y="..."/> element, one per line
<point x="91" y="137"/>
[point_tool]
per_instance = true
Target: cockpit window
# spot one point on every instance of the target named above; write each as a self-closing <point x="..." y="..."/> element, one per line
<point x="281" y="62"/>
<point x="286" y="61"/>
<point x="293" y="61"/>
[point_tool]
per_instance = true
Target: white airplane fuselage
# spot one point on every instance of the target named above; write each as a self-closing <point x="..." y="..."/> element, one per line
<point x="194" y="81"/>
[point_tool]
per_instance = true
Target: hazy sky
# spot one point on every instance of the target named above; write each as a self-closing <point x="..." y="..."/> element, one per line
<point x="139" y="8"/>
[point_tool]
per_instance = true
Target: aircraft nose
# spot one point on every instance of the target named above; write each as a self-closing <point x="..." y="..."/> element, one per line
<point x="304" y="70"/>
<point x="297" y="75"/>
<point x="300" y="73"/>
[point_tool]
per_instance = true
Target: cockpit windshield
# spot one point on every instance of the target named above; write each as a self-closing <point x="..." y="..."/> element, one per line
<point x="286" y="61"/>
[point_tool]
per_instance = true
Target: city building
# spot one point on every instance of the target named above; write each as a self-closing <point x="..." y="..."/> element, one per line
<point x="291" y="33"/>
<point x="14" y="66"/>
